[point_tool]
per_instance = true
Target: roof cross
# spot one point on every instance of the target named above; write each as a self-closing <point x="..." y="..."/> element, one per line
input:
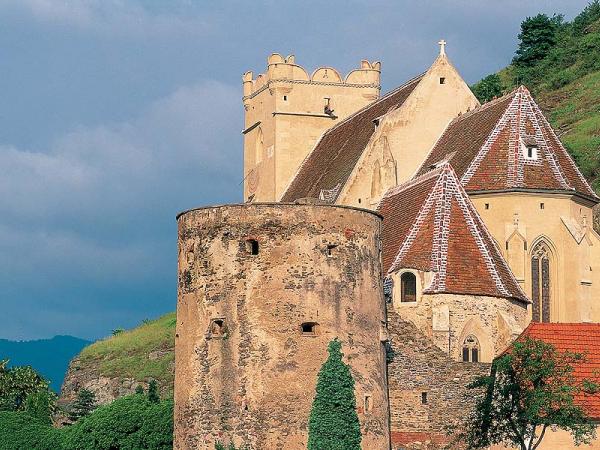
<point x="442" y="47"/>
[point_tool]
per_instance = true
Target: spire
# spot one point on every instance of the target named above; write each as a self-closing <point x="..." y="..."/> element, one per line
<point x="442" y="44"/>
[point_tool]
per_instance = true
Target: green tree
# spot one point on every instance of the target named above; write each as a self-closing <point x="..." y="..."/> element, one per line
<point x="16" y="384"/>
<point x="528" y="390"/>
<point x="139" y="389"/>
<point x="538" y="35"/>
<point x="333" y="422"/>
<point x="83" y="405"/>
<point x="488" y="88"/>
<point x="153" y="395"/>
<point x="41" y="405"/>
<point x="20" y="431"/>
<point x="127" y="423"/>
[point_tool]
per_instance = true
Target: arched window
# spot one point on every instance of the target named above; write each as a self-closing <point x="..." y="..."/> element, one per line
<point x="540" y="282"/>
<point x="408" y="283"/>
<point x="471" y="350"/>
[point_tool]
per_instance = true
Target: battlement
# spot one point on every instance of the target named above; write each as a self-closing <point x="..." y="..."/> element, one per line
<point x="280" y="69"/>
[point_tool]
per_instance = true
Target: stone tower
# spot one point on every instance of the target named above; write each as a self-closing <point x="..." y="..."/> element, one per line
<point x="263" y="288"/>
<point x="287" y="110"/>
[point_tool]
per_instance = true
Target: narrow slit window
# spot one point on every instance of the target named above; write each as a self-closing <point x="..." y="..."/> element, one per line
<point x="442" y="80"/>
<point x="285" y="98"/>
<point x="487" y="206"/>
<point x="368" y="403"/>
<point x="330" y="249"/>
<point x="309" y="328"/>
<point x="217" y="328"/>
<point x="542" y="206"/>
<point x="423" y="398"/>
<point x="252" y="246"/>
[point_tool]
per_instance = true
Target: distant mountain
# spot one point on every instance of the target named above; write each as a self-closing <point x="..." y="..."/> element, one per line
<point x="50" y="357"/>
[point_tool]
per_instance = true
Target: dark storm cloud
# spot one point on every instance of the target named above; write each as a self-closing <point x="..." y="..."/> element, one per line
<point x="117" y="114"/>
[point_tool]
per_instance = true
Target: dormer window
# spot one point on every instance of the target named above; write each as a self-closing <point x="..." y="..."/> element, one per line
<point x="530" y="149"/>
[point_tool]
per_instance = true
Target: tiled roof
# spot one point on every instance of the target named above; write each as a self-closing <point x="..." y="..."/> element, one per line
<point x="487" y="148"/>
<point x="581" y="338"/>
<point x="333" y="159"/>
<point x="430" y="224"/>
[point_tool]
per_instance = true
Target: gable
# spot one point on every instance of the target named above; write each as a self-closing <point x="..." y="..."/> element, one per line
<point x="489" y="147"/>
<point x="430" y="224"/>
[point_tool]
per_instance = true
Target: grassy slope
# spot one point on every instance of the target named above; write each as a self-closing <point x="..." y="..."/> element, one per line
<point x="126" y="354"/>
<point x="574" y="112"/>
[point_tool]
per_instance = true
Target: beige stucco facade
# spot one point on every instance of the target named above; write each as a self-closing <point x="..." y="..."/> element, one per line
<point x="405" y="135"/>
<point x="448" y="319"/>
<point x="520" y="221"/>
<point x="285" y="115"/>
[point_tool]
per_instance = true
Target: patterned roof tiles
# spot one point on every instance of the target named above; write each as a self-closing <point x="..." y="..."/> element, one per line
<point x="333" y="159"/>
<point x="430" y="224"/>
<point x="581" y="338"/>
<point x="488" y="148"/>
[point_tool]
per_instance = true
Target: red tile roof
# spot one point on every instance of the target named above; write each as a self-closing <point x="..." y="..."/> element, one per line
<point x="579" y="338"/>
<point x="333" y="159"/>
<point x="430" y="224"/>
<point x="486" y="148"/>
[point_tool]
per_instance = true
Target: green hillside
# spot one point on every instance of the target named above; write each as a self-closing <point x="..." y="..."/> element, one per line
<point x="143" y="353"/>
<point x="560" y="64"/>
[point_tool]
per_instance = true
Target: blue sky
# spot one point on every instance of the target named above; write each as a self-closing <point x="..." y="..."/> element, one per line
<point x="117" y="114"/>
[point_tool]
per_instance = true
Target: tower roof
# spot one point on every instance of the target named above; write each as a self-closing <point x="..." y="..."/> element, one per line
<point x="329" y="165"/>
<point x="430" y="224"/>
<point x="488" y="149"/>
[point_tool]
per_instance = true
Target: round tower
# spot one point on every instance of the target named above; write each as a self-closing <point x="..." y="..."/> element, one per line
<point x="263" y="289"/>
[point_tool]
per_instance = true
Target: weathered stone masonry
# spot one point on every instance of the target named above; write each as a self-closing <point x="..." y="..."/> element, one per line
<point x="245" y="368"/>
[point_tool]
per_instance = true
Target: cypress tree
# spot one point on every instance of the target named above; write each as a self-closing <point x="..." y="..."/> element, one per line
<point x="153" y="395"/>
<point x="84" y="404"/>
<point x="333" y="422"/>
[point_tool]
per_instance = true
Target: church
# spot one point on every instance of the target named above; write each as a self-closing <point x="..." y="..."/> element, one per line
<point x="486" y="226"/>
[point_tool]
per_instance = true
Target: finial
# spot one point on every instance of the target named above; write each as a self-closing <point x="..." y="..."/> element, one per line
<point x="442" y="47"/>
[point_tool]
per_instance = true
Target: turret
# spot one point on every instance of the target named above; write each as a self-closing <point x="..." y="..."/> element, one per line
<point x="287" y="110"/>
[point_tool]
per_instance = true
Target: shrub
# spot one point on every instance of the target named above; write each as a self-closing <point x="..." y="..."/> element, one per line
<point x="333" y="422"/>
<point x="20" y="431"/>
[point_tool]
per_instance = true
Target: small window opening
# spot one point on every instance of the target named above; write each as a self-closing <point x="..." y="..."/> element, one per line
<point x="309" y="328"/>
<point x="506" y="245"/>
<point x="442" y="80"/>
<point x="487" y="206"/>
<point x="285" y="98"/>
<point x="542" y="206"/>
<point x="408" y="284"/>
<point x="531" y="152"/>
<point x="217" y="328"/>
<point x="368" y="403"/>
<point x="252" y="246"/>
<point x="470" y="351"/>
<point x="359" y="200"/>
<point x="330" y="248"/>
<point x="423" y="398"/>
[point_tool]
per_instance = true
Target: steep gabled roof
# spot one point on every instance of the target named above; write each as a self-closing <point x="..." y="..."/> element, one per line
<point x="487" y="147"/>
<point x="430" y="224"/>
<point x="331" y="162"/>
<point x="581" y="338"/>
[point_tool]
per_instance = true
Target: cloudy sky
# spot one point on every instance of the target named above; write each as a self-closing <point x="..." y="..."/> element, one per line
<point x="117" y="114"/>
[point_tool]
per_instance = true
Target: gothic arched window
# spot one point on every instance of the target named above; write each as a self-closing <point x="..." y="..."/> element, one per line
<point x="408" y="283"/>
<point x="540" y="282"/>
<point x="471" y="350"/>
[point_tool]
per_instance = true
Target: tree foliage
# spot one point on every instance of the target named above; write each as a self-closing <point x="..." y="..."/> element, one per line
<point x="16" y="384"/>
<point x="128" y="422"/>
<point x="529" y="389"/>
<point x="19" y="431"/>
<point x="488" y="88"/>
<point x="333" y="422"/>
<point x="538" y="35"/>
<point x="153" y="395"/>
<point x="83" y="405"/>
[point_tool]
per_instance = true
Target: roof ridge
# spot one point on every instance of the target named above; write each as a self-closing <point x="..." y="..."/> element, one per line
<point x="413" y="181"/>
<point x="383" y="97"/>
<point x="483" y="107"/>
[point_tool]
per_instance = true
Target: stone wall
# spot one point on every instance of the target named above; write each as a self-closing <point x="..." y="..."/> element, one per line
<point x="426" y="387"/>
<point x="244" y="368"/>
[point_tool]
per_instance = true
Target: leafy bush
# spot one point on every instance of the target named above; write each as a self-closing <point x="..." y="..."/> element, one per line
<point x="488" y="88"/>
<point x="20" y="431"/>
<point x="131" y="422"/>
<point x="16" y="384"/>
<point x="333" y="422"/>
